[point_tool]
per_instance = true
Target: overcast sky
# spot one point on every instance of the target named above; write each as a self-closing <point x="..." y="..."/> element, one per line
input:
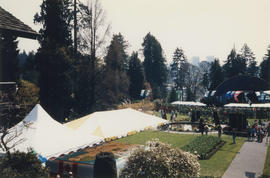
<point x="201" y="27"/>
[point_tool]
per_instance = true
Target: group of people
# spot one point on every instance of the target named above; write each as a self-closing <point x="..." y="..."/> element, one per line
<point x="258" y="131"/>
<point x="164" y="115"/>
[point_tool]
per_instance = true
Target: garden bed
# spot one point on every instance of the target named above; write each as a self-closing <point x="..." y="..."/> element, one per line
<point x="204" y="146"/>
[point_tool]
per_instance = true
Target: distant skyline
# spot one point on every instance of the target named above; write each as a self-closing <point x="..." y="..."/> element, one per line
<point x="200" y="28"/>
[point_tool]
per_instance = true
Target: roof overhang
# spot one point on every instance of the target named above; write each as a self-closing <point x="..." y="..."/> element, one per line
<point x="10" y="24"/>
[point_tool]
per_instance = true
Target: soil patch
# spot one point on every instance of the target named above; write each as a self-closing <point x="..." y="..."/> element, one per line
<point x="90" y="153"/>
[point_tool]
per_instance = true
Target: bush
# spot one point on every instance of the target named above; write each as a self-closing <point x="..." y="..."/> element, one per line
<point x="27" y="97"/>
<point x="22" y="165"/>
<point x="202" y="145"/>
<point x="160" y="160"/>
<point x="105" y="165"/>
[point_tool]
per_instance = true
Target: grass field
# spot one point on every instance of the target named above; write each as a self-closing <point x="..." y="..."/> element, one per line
<point x="215" y="166"/>
<point x="266" y="170"/>
<point x="220" y="161"/>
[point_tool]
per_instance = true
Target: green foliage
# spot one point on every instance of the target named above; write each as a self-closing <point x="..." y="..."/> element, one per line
<point x="84" y="89"/>
<point x="113" y="86"/>
<point x="249" y="57"/>
<point x="179" y="67"/>
<point x="105" y="165"/>
<point x="55" y="81"/>
<point x="27" y="96"/>
<point x="154" y="65"/>
<point x="235" y="65"/>
<point x="29" y="68"/>
<point x="136" y="76"/>
<point x="221" y="160"/>
<point x="216" y="75"/>
<point x="266" y="170"/>
<point x="209" y="167"/>
<point x="22" y="165"/>
<point x="8" y="57"/>
<point x="116" y="56"/>
<point x="202" y="145"/>
<point x="54" y="57"/>
<point x="55" y="19"/>
<point x="160" y="160"/>
<point x="265" y="66"/>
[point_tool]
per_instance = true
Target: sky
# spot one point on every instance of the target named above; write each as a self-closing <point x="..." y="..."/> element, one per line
<point x="200" y="27"/>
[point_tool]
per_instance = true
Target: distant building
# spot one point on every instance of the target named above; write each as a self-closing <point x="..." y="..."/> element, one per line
<point x="195" y="60"/>
<point x="210" y="58"/>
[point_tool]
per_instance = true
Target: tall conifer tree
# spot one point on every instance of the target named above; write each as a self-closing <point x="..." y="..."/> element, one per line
<point x="136" y="76"/>
<point x="154" y="65"/>
<point x="265" y="66"/>
<point x="54" y="61"/>
<point x="216" y="75"/>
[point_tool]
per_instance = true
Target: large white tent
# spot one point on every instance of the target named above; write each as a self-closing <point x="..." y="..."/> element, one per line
<point x="116" y="123"/>
<point x="46" y="136"/>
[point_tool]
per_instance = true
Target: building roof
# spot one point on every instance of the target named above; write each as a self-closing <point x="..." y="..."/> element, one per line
<point x="11" y="24"/>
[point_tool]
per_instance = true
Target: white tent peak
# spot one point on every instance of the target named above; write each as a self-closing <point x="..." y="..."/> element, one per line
<point x="38" y="113"/>
<point x="46" y="136"/>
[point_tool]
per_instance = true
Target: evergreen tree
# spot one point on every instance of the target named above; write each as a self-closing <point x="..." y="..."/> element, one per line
<point x="136" y="76"/>
<point x="115" y="83"/>
<point x="83" y="97"/>
<point x="53" y="57"/>
<point x="249" y="57"/>
<point x="235" y="65"/>
<point x="29" y="69"/>
<point x="179" y="68"/>
<point x="154" y="65"/>
<point x="216" y="75"/>
<point x="9" y="69"/>
<point x="265" y="66"/>
<point x="124" y="46"/>
<point x="204" y="68"/>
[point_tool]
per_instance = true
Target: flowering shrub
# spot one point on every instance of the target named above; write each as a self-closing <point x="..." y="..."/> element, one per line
<point x="158" y="159"/>
<point x="202" y="145"/>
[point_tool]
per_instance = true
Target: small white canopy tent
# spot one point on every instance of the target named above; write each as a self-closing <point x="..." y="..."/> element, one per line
<point x="46" y="136"/>
<point x="188" y="103"/>
<point x="245" y="105"/>
<point x="117" y="123"/>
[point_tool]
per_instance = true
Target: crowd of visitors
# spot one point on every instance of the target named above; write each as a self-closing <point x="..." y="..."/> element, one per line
<point x="258" y="131"/>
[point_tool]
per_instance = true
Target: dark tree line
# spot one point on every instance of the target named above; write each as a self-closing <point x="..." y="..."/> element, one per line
<point x="98" y="77"/>
<point x="212" y="74"/>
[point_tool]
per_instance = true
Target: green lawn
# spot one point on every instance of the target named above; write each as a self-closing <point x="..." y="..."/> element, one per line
<point x="266" y="170"/>
<point x="220" y="161"/>
<point x="176" y="140"/>
<point x="215" y="166"/>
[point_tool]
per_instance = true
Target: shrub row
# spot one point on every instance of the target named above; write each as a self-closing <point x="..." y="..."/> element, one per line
<point x="202" y="145"/>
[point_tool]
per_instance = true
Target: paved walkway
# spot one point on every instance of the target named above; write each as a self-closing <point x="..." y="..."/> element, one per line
<point x="249" y="162"/>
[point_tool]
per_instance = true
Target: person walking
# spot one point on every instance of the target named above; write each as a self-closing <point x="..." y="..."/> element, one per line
<point x="261" y="135"/>
<point x="206" y="129"/>
<point x="253" y="132"/>
<point x="201" y="126"/>
<point x="234" y="135"/>
<point x="219" y="128"/>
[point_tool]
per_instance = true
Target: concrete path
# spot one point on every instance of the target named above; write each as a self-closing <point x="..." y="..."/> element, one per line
<point x="249" y="162"/>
